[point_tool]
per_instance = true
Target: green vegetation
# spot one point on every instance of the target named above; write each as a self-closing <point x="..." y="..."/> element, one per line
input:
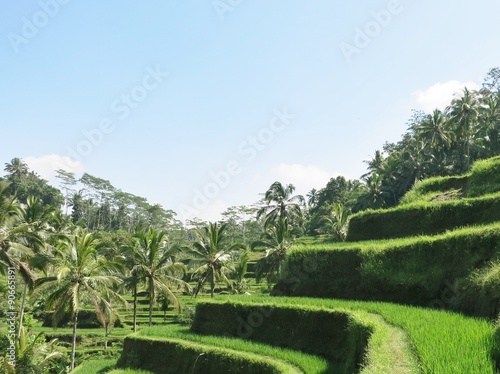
<point x="306" y="362"/>
<point x="95" y="366"/>
<point x="425" y="232"/>
<point x="444" y="342"/>
<point x="179" y="356"/>
<point x="416" y="270"/>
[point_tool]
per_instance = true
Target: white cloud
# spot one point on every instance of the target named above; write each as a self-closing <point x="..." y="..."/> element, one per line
<point x="46" y="166"/>
<point x="440" y="94"/>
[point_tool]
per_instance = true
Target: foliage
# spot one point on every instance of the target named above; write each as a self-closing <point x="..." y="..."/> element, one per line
<point x="280" y="203"/>
<point x="210" y="256"/>
<point x="484" y="177"/>
<point x="444" y="342"/>
<point x="276" y="241"/>
<point x="336" y="224"/>
<point x="81" y="277"/>
<point x="423" y="218"/>
<point x="306" y="362"/>
<point x="153" y="264"/>
<point x="410" y="270"/>
<point x="342" y="336"/>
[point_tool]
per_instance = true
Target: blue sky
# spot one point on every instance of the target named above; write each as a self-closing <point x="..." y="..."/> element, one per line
<point x="201" y="105"/>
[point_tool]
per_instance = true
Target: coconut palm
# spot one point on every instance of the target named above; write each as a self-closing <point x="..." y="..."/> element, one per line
<point x="210" y="255"/>
<point x="337" y="222"/>
<point x="464" y="112"/>
<point x="276" y="241"/>
<point x="35" y="216"/>
<point x="435" y="130"/>
<point x="240" y="270"/>
<point x="375" y="164"/>
<point x="312" y="197"/>
<point x="375" y="194"/>
<point x="35" y="355"/>
<point x="82" y="278"/>
<point x="17" y="169"/>
<point x="280" y="203"/>
<point x="153" y="264"/>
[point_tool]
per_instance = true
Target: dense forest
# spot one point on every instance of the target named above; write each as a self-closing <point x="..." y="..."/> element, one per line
<point x="86" y="242"/>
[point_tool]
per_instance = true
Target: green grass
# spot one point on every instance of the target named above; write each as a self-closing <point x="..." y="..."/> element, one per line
<point x="444" y="342"/>
<point x="308" y="363"/>
<point x="381" y="245"/>
<point x="95" y="366"/>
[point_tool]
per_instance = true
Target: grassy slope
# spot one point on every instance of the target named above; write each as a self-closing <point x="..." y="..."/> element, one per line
<point x="444" y="342"/>
<point x="308" y="363"/>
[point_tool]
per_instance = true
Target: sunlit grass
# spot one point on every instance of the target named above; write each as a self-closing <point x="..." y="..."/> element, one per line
<point x="444" y="342"/>
<point x="308" y="363"/>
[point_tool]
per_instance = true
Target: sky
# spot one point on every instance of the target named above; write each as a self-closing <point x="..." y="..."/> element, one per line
<point x="202" y="105"/>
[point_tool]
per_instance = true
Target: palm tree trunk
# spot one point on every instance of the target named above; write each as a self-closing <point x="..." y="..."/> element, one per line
<point x="135" y="308"/>
<point x="73" y="345"/>
<point x="150" y="311"/>
<point x="212" y="285"/>
<point x="21" y="312"/>
<point x="151" y="296"/>
<point x="106" y="333"/>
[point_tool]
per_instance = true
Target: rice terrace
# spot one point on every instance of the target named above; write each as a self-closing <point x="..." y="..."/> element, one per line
<point x="412" y="288"/>
<point x="229" y="186"/>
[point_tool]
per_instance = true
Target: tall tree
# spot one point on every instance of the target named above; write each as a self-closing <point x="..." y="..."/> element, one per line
<point x="464" y="112"/>
<point x="68" y="183"/>
<point x="17" y="169"/>
<point x="312" y="197"/>
<point x="276" y="241"/>
<point x="280" y="203"/>
<point x="210" y="256"/>
<point x="155" y="265"/>
<point x="82" y="278"/>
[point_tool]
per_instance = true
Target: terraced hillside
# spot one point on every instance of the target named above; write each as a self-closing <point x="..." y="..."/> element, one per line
<point x="438" y="250"/>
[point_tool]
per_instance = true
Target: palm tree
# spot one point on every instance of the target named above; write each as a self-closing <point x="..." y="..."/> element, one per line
<point x="276" y="240"/>
<point x="435" y="131"/>
<point x="211" y="256"/>
<point x="82" y="278"/>
<point x="36" y="216"/>
<point x="376" y="164"/>
<point x="375" y="194"/>
<point x="464" y="112"/>
<point x="337" y="222"/>
<point x="35" y="355"/>
<point x="312" y="197"/>
<point x="153" y="264"/>
<point x="490" y="123"/>
<point x="17" y="241"/>
<point x="281" y="204"/>
<point x="17" y="169"/>
<point x="240" y="270"/>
